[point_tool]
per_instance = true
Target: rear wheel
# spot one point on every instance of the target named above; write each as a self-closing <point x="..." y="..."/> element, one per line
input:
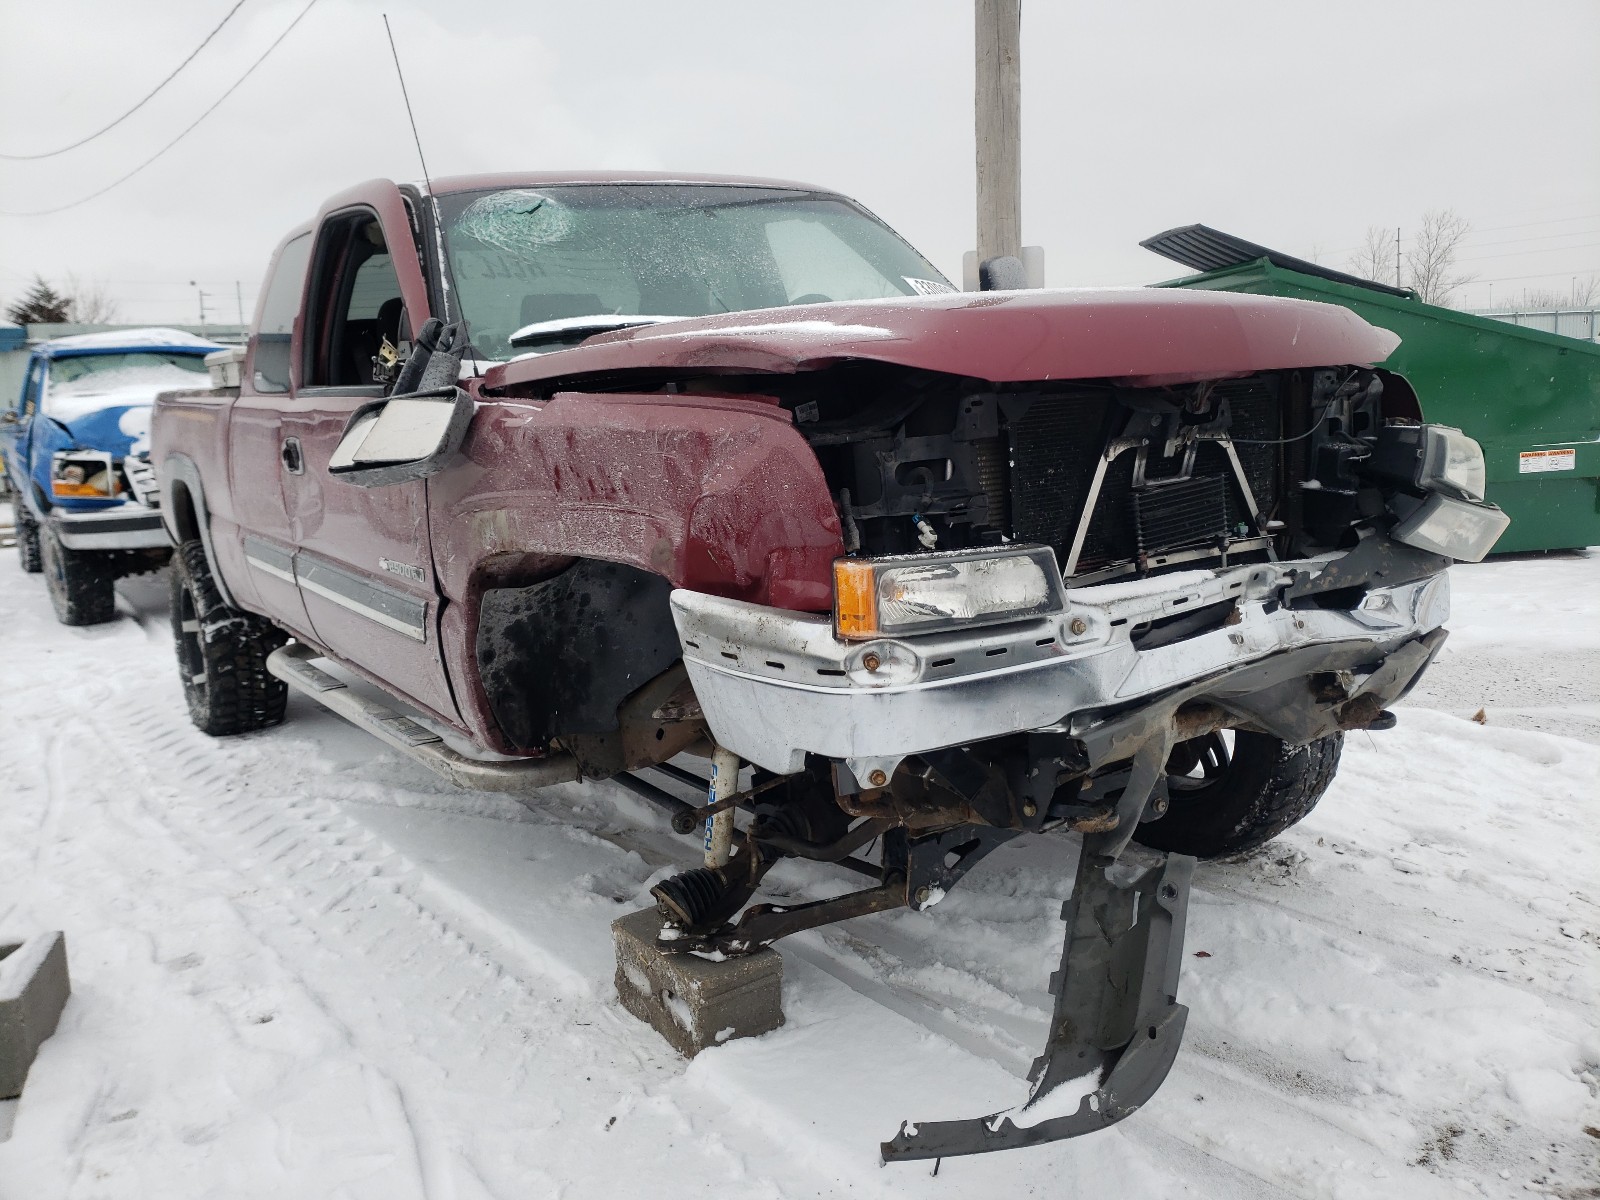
<point x="1227" y="796"/>
<point x="222" y="653"/>
<point x="81" y="582"/>
<point x="27" y="537"/>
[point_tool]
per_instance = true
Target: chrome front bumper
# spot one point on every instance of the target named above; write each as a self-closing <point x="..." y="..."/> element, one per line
<point x="129" y="526"/>
<point x="777" y="685"/>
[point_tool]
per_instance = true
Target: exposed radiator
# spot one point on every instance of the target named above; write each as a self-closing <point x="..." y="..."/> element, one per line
<point x="1056" y="444"/>
<point x="1176" y="516"/>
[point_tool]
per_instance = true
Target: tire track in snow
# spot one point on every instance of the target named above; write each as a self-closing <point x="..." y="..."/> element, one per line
<point x="1182" y="1145"/>
<point x="337" y="880"/>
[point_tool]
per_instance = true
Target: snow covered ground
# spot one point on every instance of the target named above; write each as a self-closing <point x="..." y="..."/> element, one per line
<point x="305" y="968"/>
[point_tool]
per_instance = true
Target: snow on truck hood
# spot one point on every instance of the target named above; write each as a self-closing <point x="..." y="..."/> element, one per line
<point x="1144" y="336"/>
<point x="154" y="338"/>
<point x="111" y="411"/>
<point x="71" y="403"/>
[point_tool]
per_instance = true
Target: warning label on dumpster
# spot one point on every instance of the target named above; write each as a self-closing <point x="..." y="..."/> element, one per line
<point x="1531" y="461"/>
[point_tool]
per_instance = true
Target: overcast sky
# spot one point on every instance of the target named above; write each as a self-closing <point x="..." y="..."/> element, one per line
<point x="1297" y="125"/>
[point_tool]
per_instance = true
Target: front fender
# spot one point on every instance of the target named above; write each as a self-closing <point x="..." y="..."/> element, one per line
<point x="716" y="494"/>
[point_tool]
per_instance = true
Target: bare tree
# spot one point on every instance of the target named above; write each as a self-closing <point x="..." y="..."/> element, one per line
<point x="89" y="303"/>
<point x="1431" y="256"/>
<point x="1375" y="259"/>
<point x="41" y="304"/>
<point x="1583" y="294"/>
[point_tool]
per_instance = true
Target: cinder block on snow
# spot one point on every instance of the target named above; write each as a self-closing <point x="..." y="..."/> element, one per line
<point x="692" y="1001"/>
<point x="33" y="989"/>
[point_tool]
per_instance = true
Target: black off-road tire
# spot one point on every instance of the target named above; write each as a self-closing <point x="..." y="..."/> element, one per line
<point x="82" y="583"/>
<point x="1243" y="799"/>
<point x="222" y="653"/>
<point x="27" y="537"/>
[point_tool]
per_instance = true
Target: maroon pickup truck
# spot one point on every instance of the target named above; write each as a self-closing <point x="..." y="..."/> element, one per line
<point x="606" y="473"/>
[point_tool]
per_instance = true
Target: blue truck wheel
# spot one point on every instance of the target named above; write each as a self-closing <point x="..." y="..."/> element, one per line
<point x="27" y="538"/>
<point x="81" y="582"/>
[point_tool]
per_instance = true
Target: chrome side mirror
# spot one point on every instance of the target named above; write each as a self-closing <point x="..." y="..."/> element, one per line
<point x="402" y="438"/>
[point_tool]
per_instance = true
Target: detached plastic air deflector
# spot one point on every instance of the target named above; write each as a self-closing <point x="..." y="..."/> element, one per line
<point x="1116" y="1011"/>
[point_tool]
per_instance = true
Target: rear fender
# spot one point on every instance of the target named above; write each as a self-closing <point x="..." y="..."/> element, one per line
<point x="186" y="515"/>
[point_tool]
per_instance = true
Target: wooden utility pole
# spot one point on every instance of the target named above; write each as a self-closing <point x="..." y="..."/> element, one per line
<point x="998" y="96"/>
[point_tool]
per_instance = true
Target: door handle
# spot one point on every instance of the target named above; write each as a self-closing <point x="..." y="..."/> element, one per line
<point x="293" y="461"/>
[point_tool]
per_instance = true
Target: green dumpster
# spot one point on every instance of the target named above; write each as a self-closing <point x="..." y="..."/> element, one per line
<point x="1531" y="399"/>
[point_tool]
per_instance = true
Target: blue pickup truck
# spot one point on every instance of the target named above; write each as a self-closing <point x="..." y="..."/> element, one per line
<point x="75" y="455"/>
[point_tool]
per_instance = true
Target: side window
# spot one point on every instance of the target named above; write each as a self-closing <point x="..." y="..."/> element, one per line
<point x="277" y="316"/>
<point x="356" y="302"/>
<point x="32" y="386"/>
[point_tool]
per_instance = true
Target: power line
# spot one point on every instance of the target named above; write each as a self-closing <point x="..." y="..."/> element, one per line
<point x="1527" y="253"/>
<point x="136" y="107"/>
<point x="1529" y="224"/>
<point x="1539" y="275"/>
<point x="186" y="281"/>
<point x="45" y="212"/>
<point x="1475" y="230"/>
<point x="1537" y="237"/>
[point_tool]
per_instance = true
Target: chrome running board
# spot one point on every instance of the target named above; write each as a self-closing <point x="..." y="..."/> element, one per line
<point x="292" y="664"/>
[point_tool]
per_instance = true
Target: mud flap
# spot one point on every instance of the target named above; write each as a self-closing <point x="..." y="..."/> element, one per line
<point x="1117" y="1024"/>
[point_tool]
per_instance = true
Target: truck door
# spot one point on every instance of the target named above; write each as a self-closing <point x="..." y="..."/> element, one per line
<point x="16" y="432"/>
<point x="363" y="558"/>
<point x="261" y="539"/>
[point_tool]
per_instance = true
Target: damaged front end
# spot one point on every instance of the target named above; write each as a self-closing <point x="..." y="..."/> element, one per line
<point x="1055" y="599"/>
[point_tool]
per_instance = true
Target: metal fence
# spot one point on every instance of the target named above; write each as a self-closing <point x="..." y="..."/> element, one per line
<point x="1570" y="322"/>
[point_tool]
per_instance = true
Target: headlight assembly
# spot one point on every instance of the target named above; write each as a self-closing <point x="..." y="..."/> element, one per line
<point x="83" y="475"/>
<point x="925" y="593"/>
<point x="1434" y="458"/>
<point x="1458" y="529"/>
<point x="1451" y="462"/>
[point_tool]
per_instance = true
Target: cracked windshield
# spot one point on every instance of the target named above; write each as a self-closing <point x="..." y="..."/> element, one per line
<point x="537" y="270"/>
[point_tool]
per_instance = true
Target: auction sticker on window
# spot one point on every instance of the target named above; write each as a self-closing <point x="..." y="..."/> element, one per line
<point x="1532" y="461"/>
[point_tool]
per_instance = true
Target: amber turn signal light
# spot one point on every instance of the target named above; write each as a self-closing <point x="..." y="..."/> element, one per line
<point x="89" y="491"/>
<point x="855" y="609"/>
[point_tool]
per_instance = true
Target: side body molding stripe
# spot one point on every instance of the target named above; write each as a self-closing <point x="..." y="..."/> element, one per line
<point x="389" y="607"/>
<point x="272" y="559"/>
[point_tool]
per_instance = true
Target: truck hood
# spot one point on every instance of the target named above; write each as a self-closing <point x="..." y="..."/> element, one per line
<point x="114" y="420"/>
<point x="1146" y="337"/>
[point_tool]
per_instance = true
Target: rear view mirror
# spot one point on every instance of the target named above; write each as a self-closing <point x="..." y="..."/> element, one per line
<point x="402" y="438"/>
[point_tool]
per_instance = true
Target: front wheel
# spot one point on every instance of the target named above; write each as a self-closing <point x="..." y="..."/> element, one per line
<point x="1225" y="799"/>
<point x="222" y="653"/>
<point x="81" y="582"/>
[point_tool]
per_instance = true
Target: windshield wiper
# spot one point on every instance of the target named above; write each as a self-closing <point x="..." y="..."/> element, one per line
<point x="575" y="329"/>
